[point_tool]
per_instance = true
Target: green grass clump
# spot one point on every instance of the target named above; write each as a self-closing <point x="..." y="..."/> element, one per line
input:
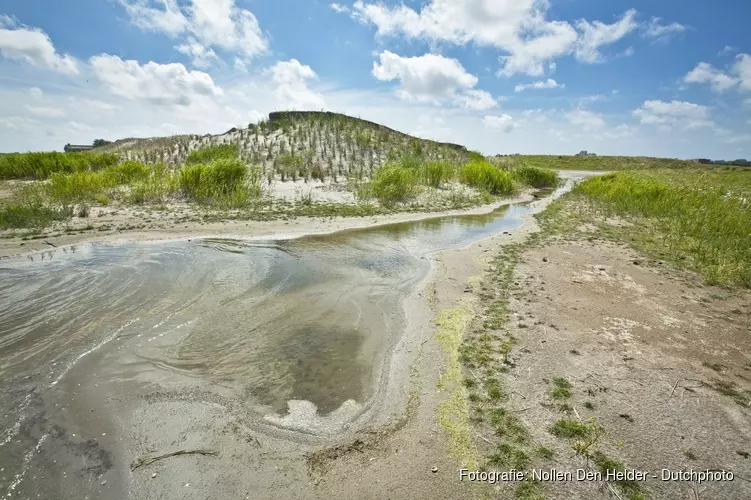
<point x="529" y="489"/>
<point x="561" y="389"/>
<point x="487" y="177"/>
<point x="22" y="215"/>
<point x="211" y="153"/>
<point x="394" y="183"/>
<point x="508" y="455"/>
<point x="146" y="183"/>
<point x="223" y="182"/>
<point x="436" y="173"/>
<point x="130" y="171"/>
<point x="535" y="176"/>
<point x="79" y="186"/>
<point x="566" y="428"/>
<point x="156" y="187"/>
<point x="606" y="465"/>
<point x="43" y="165"/>
<point x="699" y="219"/>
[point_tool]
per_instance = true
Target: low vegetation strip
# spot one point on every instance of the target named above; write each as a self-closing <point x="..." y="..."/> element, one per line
<point x="453" y="413"/>
<point x="43" y="165"/>
<point x="399" y="181"/>
<point x="602" y="163"/>
<point x="31" y="215"/>
<point x="698" y="219"/>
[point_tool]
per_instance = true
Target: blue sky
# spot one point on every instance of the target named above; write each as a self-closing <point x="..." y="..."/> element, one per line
<point x="635" y="77"/>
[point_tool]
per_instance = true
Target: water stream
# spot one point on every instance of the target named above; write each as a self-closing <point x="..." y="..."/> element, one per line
<point x="307" y="319"/>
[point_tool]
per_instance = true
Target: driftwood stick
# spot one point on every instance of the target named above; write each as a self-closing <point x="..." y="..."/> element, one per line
<point x="613" y="491"/>
<point x="146" y="460"/>
<point x="524" y="409"/>
<point x="674" y="386"/>
<point x="485" y="439"/>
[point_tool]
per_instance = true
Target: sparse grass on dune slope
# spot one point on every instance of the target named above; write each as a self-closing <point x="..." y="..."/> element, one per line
<point x="330" y="145"/>
<point x="697" y="218"/>
<point x="212" y="153"/>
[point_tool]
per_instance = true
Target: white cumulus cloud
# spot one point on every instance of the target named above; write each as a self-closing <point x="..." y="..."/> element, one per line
<point x="432" y="78"/>
<point x="201" y="56"/>
<point x="673" y="113"/>
<point x="706" y="73"/>
<point x="596" y="34"/>
<point x="290" y="78"/>
<point x="504" y="123"/>
<point x="206" y="24"/>
<point x="33" y="46"/>
<point x="159" y="84"/>
<point x="529" y="42"/>
<point x="339" y="8"/>
<point x="662" y="32"/>
<point x="738" y="75"/>
<point x="547" y="84"/>
<point x="477" y="99"/>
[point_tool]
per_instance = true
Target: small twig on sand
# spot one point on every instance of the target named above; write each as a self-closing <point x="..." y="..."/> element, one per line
<point x="50" y="244"/>
<point x="695" y="490"/>
<point x="674" y="386"/>
<point x="524" y="409"/>
<point x="141" y="461"/>
<point x="577" y="414"/>
<point x="520" y="394"/>
<point x="485" y="439"/>
<point x="614" y="492"/>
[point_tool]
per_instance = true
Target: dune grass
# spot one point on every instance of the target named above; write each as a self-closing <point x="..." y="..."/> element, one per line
<point x="28" y="215"/>
<point x="535" y="176"/>
<point x="437" y="173"/>
<point x="42" y="165"/>
<point x="700" y="219"/>
<point x="487" y="177"/>
<point x="77" y="187"/>
<point x="223" y="182"/>
<point x="401" y="179"/>
<point x="393" y="183"/>
<point x="211" y="153"/>
<point x="157" y="185"/>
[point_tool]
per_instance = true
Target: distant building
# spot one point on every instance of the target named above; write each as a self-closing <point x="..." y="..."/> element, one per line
<point x="71" y="148"/>
<point x="703" y="161"/>
<point x="585" y="153"/>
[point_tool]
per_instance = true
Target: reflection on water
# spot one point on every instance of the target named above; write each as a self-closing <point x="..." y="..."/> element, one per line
<point x="301" y="319"/>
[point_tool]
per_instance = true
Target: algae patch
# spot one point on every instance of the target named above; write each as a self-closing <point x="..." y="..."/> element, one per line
<point x="453" y="412"/>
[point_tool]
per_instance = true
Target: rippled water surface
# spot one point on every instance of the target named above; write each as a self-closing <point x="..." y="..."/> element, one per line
<point x="268" y="321"/>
